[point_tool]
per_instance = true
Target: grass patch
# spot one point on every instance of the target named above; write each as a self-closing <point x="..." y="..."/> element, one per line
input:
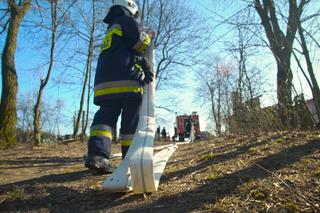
<point x="212" y="177"/>
<point x="317" y="173"/>
<point x="309" y="161"/>
<point x="254" y="150"/>
<point x="95" y="184"/>
<point x="15" y="194"/>
<point x="259" y="193"/>
<point x="279" y="140"/>
<point x="291" y="207"/>
<point x="301" y="134"/>
<point x="207" y="156"/>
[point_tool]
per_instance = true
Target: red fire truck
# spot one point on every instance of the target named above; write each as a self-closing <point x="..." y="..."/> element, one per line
<point x="184" y="124"/>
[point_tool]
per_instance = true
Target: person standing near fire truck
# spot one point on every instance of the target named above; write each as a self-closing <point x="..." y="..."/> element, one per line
<point x="164" y="133"/>
<point x="120" y="75"/>
<point x="158" y="133"/>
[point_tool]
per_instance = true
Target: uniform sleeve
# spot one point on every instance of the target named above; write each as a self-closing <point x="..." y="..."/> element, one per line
<point x="134" y="37"/>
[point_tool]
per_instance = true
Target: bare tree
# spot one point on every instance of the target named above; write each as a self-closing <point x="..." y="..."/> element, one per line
<point x="314" y="86"/>
<point x="57" y="119"/>
<point x="281" y="45"/>
<point x="240" y="48"/>
<point x="55" y="22"/>
<point x="8" y="117"/>
<point x="4" y="19"/>
<point x="213" y="90"/>
<point x="44" y="82"/>
<point x="25" y="118"/>
<point x="87" y="75"/>
<point x="51" y="115"/>
<point x="178" y="30"/>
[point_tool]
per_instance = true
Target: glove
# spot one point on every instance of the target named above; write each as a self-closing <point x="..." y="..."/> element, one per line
<point x="137" y="73"/>
<point x="147" y="70"/>
<point x="141" y="71"/>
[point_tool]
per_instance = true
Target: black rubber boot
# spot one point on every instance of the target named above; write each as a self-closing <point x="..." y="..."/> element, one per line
<point x="98" y="164"/>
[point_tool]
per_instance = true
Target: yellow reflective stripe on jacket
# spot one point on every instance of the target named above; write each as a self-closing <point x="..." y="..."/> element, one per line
<point x="104" y="133"/>
<point x="112" y="84"/>
<point x="143" y="43"/>
<point x="116" y="30"/>
<point x="139" y="67"/>
<point x="126" y="142"/>
<point x="116" y="90"/>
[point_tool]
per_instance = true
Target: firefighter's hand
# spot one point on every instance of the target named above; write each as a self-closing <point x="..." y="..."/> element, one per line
<point x="148" y="76"/>
<point x="137" y="73"/>
<point x="147" y="70"/>
<point x="151" y="33"/>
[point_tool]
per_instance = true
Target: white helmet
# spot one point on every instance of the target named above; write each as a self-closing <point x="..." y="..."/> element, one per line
<point x="130" y="5"/>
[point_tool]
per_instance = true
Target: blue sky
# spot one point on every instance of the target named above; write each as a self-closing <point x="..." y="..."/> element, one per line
<point x="29" y="59"/>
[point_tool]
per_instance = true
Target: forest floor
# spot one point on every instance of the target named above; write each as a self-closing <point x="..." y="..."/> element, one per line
<point x="277" y="172"/>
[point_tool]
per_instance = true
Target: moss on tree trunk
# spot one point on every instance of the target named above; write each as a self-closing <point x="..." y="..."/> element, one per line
<point x="8" y="116"/>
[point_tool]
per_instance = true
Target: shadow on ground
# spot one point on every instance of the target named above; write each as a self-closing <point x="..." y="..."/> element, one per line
<point x="220" y="187"/>
<point x="26" y="162"/>
<point x="52" y="192"/>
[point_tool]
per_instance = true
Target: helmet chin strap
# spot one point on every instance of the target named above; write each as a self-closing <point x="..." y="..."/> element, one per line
<point x="136" y="16"/>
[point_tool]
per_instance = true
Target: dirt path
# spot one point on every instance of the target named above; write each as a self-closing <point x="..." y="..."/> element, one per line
<point x="279" y="172"/>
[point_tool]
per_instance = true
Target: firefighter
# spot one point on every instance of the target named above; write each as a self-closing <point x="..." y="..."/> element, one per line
<point x="175" y="134"/>
<point x="120" y="75"/>
<point x="187" y="125"/>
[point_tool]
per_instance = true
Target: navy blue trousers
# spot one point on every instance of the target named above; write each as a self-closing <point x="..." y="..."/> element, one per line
<point x="105" y="122"/>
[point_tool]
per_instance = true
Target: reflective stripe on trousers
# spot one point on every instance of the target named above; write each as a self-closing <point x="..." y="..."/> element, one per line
<point x="100" y="140"/>
<point x="105" y="121"/>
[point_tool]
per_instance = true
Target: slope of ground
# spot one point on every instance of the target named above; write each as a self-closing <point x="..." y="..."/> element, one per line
<point x="279" y="172"/>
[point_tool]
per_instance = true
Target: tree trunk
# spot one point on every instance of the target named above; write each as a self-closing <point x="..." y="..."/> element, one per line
<point x="88" y="106"/>
<point x="281" y="46"/>
<point x="250" y="88"/>
<point x="87" y="74"/>
<point x="284" y="86"/>
<point x="218" y="123"/>
<point x="240" y="67"/>
<point x="213" y="107"/>
<point x="228" y="114"/>
<point x="315" y="86"/>
<point x="43" y="83"/>
<point x="8" y="116"/>
<point x="88" y="69"/>
<point x="78" y="118"/>
<point x="37" y="119"/>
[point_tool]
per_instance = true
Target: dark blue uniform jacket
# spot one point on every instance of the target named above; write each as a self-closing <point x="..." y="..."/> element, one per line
<point x="123" y="42"/>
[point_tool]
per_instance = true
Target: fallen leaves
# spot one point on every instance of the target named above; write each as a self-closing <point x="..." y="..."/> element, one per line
<point x="216" y="175"/>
